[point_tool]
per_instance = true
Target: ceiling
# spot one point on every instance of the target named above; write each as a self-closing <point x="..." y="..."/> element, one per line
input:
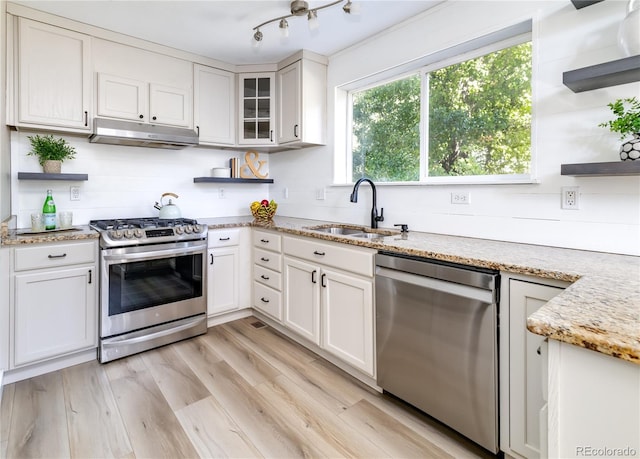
<point x="223" y="30"/>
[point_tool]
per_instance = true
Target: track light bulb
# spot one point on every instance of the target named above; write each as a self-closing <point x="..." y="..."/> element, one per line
<point x="313" y="20"/>
<point x="351" y="8"/>
<point x="284" y="28"/>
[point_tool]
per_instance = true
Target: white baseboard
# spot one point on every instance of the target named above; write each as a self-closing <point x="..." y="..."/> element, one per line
<point x="228" y="317"/>
<point x="38" y="369"/>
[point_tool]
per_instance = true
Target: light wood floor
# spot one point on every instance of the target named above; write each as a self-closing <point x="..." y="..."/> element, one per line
<point x="238" y="391"/>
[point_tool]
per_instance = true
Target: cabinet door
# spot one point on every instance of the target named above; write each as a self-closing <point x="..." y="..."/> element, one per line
<point x="214" y="105"/>
<point x="54" y="76"/>
<point x="302" y="298"/>
<point x="289" y="103"/>
<point x="122" y="98"/>
<point x="347" y="311"/>
<point x="55" y="313"/>
<point x="170" y="106"/>
<point x="257" y="113"/>
<point x="222" y="283"/>
<point x="525" y="366"/>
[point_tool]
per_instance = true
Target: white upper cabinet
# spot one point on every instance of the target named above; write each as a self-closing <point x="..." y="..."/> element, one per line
<point x="256" y="106"/>
<point x="140" y="85"/>
<point x="214" y="113"/>
<point x="122" y="98"/>
<point x="52" y="78"/>
<point x="302" y="103"/>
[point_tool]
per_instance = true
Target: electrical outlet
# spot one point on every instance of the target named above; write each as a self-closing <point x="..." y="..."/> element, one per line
<point x="285" y="193"/>
<point x="321" y="194"/>
<point x="74" y="193"/>
<point x="570" y="198"/>
<point x="460" y="197"/>
<point x="221" y="194"/>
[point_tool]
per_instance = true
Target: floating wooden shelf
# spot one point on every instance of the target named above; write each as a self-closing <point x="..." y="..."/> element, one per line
<point x="621" y="71"/>
<point x="43" y="176"/>
<point x="229" y="180"/>
<point x="615" y="168"/>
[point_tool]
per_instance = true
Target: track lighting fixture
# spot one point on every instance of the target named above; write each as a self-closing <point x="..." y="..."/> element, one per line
<point x="301" y="8"/>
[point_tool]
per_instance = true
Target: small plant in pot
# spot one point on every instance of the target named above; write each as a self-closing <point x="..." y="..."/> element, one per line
<point x="51" y="152"/>
<point x="627" y="122"/>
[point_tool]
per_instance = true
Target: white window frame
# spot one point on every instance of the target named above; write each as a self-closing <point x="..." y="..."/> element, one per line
<point x="505" y="38"/>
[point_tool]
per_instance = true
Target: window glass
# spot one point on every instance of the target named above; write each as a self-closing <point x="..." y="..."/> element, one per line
<point x="470" y="118"/>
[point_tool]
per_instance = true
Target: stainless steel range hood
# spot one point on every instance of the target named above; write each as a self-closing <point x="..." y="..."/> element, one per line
<point x="116" y="132"/>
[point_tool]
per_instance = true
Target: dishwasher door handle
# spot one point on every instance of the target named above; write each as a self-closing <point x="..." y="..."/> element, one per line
<point x="466" y="291"/>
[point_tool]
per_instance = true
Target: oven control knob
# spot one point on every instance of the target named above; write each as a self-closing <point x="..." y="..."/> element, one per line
<point x="116" y="234"/>
<point x="188" y="229"/>
<point x="138" y="233"/>
<point x="128" y="233"/>
<point x="179" y="229"/>
<point x="197" y="229"/>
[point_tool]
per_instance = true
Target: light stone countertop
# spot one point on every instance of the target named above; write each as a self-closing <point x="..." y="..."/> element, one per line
<point x="600" y="310"/>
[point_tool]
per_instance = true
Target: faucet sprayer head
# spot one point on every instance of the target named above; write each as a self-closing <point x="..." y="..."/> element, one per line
<point x="354" y="197"/>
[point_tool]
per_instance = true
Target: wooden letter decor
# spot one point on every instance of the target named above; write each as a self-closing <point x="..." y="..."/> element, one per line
<point x="251" y="167"/>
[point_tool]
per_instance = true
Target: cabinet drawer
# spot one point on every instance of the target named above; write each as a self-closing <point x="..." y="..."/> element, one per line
<point x="223" y="237"/>
<point x="267" y="277"/>
<point x="266" y="240"/>
<point x="358" y="261"/>
<point x="267" y="259"/>
<point x="54" y="255"/>
<point x="267" y="300"/>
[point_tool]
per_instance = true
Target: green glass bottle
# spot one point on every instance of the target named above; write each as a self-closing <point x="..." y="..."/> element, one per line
<point x="49" y="212"/>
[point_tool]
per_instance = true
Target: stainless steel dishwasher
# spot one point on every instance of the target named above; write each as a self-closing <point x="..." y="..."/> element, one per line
<point x="436" y="341"/>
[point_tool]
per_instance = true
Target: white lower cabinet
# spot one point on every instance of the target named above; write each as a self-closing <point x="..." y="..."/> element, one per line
<point x="54" y="307"/>
<point x="347" y="318"/>
<point x="525" y="397"/>
<point x="55" y="313"/>
<point x="267" y="269"/>
<point x="329" y="306"/>
<point x="227" y="259"/>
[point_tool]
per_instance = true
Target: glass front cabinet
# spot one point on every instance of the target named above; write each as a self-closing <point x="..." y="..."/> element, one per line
<point x="257" y="110"/>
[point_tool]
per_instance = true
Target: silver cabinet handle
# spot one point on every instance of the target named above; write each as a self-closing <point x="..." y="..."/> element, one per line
<point x="57" y="256"/>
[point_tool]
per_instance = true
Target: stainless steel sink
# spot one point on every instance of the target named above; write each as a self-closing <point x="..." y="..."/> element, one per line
<point x="359" y="232"/>
<point x="367" y="235"/>
<point x="343" y="231"/>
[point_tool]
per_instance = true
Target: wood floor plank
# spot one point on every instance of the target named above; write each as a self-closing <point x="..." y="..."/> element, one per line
<point x="38" y="421"/>
<point x="317" y="423"/>
<point x="247" y="408"/>
<point x="5" y="417"/>
<point x="319" y="381"/>
<point x="213" y="432"/>
<point x="153" y="428"/>
<point x="253" y="368"/>
<point x="180" y="386"/>
<point x="427" y="427"/>
<point x="391" y="436"/>
<point x="94" y="422"/>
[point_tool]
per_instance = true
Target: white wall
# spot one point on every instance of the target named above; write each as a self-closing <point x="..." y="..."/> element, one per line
<point x="127" y="181"/>
<point x="566" y="131"/>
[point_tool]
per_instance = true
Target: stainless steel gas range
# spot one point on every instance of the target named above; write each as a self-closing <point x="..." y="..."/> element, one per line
<point x="152" y="283"/>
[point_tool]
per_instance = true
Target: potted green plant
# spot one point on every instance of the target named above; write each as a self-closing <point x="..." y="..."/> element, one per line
<point x="627" y="122"/>
<point x="51" y="152"/>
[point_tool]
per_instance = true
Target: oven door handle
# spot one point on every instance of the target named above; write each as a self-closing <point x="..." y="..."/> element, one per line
<point x="119" y="341"/>
<point x="151" y="254"/>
